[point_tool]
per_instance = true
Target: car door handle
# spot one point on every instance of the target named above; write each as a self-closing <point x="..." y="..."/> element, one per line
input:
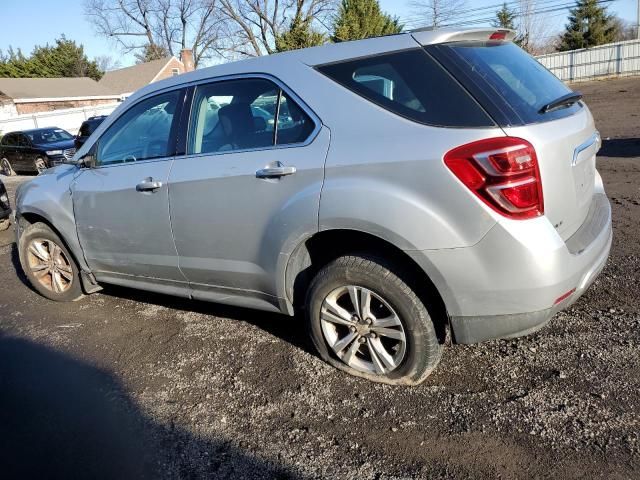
<point x="278" y="170"/>
<point x="148" y="185"/>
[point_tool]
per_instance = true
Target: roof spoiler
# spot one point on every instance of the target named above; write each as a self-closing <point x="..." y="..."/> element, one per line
<point x="427" y="36"/>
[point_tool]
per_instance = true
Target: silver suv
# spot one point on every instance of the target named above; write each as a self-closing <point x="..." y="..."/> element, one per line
<point x="391" y="189"/>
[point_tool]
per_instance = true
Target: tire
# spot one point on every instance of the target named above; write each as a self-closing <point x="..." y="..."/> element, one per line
<point x="399" y="332"/>
<point x="48" y="265"/>
<point x="6" y="168"/>
<point x="40" y="165"/>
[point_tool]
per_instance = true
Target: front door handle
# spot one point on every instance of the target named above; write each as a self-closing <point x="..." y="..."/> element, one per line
<point x="275" y="171"/>
<point x="148" y="185"/>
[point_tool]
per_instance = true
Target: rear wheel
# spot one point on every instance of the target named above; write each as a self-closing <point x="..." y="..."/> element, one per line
<point x="48" y="264"/>
<point x="6" y="168"/>
<point x="364" y="319"/>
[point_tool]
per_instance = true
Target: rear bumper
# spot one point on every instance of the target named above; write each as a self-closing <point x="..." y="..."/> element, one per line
<point x="508" y="284"/>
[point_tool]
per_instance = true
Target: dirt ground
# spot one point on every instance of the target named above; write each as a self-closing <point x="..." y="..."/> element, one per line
<point x="127" y="384"/>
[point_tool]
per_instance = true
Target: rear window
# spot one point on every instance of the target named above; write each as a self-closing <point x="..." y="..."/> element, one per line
<point x="411" y="84"/>
<point x="519" y="80"/>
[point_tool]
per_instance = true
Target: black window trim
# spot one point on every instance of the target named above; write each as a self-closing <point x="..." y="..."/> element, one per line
<point x="284" y="89"/>
<point x="173" y="134"/>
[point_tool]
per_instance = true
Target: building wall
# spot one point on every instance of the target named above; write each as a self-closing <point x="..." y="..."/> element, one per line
<point x="34" y="107"/>
<point x="69" y="119"/>
<point x="167" y="71"/>
<point x="7" y="108"/>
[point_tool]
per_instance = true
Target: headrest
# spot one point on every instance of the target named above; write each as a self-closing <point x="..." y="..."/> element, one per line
<point x="236" y="119"/>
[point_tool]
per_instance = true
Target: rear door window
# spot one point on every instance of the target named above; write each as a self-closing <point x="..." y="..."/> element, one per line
<point x="411" y="84"/>
<point x="23" y="141"/>
<point x="245" y="114"/>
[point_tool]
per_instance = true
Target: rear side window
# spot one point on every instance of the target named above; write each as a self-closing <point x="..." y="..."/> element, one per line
<point x="518" y="82"/>
<point x="410" y="84"/>
<point x="9" y="140"/>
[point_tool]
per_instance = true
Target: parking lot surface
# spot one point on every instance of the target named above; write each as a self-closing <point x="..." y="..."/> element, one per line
<point x="127" y="384"/>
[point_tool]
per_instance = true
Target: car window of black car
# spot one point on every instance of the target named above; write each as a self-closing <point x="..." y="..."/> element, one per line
<point x="8" y="140"/>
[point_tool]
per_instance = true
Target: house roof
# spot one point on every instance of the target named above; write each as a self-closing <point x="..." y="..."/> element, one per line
<point x="130" y="79"/>
<point x="30" y="89"/>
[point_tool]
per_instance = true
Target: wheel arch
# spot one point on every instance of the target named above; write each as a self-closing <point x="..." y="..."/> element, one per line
<point x="30" y="217"/>
<point x="319" y="249"/>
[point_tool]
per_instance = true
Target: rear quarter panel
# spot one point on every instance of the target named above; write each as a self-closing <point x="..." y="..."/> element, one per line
<point x="385" y="175"/>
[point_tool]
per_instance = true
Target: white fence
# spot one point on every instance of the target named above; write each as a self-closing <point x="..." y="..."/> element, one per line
<point x="620" y="58"/>
<point x="69" y="119"/>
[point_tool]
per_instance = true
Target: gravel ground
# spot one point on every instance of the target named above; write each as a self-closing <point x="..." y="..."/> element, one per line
<point x="126" y="384"/>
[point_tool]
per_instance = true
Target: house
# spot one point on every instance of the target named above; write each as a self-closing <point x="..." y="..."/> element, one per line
<point x="29" y="95"/>
<point x="125" y="81"/>
<point x="36" y="95"/>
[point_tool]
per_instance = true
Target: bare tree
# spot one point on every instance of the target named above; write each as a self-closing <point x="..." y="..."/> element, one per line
<point x="107" y="62"/>
<point x="534" y="29"/>
<point x="625" y="30"/>
<point x="173" y="25"/>
<point x="438" y="13"/>
<point x="252" y="26"/>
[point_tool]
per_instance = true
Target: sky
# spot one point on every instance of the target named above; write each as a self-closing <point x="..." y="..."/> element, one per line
<point x="37" y="22"/>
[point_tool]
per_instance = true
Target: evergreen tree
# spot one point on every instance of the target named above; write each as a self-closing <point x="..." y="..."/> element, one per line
<point x="64" y="59"/>
<point x="152" y="52"/>
<point x="359" y="19"/>
<point x="300" y="34"/>
<point x="505" y="18"/>
<point x="589" y="25"/>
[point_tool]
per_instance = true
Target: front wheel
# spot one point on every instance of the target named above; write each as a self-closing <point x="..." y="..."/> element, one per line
<point x="48" y="264"/>
<point x="364" y="319"/>
<point x="40" y="165"/>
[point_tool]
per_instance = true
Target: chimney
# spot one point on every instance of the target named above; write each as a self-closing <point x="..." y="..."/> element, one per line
<point x="186" y="57"/>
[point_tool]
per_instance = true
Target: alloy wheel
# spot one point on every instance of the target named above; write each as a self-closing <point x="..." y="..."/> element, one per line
<point x="49" y="265"/>
<point x="363" y="330"/>
<point x="41" y="166"/>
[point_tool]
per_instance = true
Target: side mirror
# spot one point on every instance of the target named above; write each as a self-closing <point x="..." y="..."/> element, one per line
<point x="89" y="160"/>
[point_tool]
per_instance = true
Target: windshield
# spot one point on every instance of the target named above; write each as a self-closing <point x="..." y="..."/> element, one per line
<point x="519" y="79"/>
<point x="49" y="135"/>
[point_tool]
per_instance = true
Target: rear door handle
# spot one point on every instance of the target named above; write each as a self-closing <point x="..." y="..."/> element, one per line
<point x="148" y="185"/>
<point x="275" y="171"/>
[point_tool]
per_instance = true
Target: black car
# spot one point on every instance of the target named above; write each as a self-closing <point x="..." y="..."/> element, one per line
<point x="5" y="208"/>
<point x="35" y="150"/>
<point x="87" y="128"/>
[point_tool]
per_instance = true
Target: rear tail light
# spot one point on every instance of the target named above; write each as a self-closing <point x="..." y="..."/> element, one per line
<point x="503" y="173"/>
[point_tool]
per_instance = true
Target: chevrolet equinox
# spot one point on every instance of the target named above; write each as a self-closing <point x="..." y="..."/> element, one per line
<point x="391" y="189"/>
